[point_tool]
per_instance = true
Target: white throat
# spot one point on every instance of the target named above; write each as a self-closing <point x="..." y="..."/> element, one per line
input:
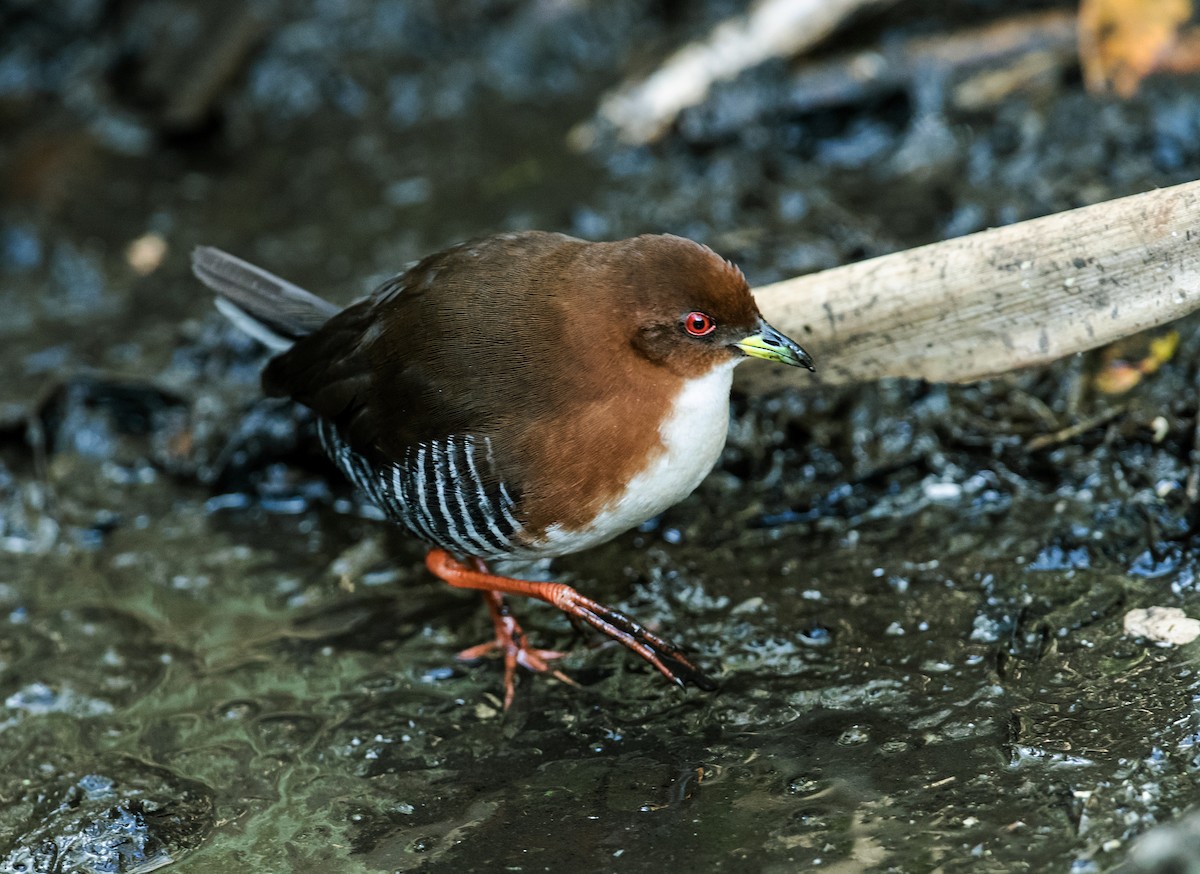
<point x="693" y="435"/>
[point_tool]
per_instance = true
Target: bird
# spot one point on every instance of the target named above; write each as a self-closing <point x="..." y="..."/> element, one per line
<point x="517" y="398"/>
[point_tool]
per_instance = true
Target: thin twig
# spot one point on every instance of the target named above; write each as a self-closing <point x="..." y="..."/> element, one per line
<point x="1045" y="441"/>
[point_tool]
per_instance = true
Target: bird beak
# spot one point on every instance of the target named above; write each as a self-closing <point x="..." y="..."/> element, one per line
<point x="773" y="346"/>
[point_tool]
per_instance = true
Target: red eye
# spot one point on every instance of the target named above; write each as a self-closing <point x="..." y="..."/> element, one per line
<point x="698" y="324"/>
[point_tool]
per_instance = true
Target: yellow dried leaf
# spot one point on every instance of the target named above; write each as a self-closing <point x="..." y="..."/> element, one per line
<point x="1122" y="41"/>
<point x="1117" y="378"/>
<point x="1162" y="350"/>
<point x="1119" y="375"/>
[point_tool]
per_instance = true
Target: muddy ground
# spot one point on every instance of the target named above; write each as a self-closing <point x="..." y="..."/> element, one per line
<point x="213" y="653"/>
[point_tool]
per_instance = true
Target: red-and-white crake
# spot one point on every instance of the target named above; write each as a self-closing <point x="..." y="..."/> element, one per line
<point x="517" y="398"/>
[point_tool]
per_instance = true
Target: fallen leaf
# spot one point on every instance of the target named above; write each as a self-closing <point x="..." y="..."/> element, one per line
<point x="1119" y="375"/>
<point x="1123" y="41"/>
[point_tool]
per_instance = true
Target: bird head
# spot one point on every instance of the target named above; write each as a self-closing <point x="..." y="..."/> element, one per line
<point x="693" y="310"/>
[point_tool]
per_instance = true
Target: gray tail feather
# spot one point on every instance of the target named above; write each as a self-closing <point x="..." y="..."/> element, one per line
<point x="272" y="310"/>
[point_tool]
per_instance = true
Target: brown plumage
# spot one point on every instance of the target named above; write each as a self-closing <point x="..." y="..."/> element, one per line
<point x="520" y="397"/>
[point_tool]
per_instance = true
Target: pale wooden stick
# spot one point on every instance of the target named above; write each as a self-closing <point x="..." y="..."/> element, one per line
<point x="998" y="300"/>
<point x="641" y="111"/>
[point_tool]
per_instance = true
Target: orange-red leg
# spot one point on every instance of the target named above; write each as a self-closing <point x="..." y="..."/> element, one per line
<point x="667" y="658"/>
<point x="512" y="643"/>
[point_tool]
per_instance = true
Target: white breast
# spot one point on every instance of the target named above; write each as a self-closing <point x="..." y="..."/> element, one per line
<point x="693" y="435"/>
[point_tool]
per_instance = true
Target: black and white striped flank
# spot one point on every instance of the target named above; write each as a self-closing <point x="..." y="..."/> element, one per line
<point x="443" y="491"/>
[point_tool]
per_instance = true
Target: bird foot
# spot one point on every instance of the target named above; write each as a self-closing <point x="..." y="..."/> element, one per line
<point x="666" y="657"/>
<point x="669" y="659"/>
<point x="514" y="646"/>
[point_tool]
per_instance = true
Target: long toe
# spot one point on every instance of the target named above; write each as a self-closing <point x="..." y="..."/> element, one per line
<point x="513" y="645"/>
<point x="669" y="659"/>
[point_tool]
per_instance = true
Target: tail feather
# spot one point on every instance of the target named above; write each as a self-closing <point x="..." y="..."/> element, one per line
<point x="270" y="309"/>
